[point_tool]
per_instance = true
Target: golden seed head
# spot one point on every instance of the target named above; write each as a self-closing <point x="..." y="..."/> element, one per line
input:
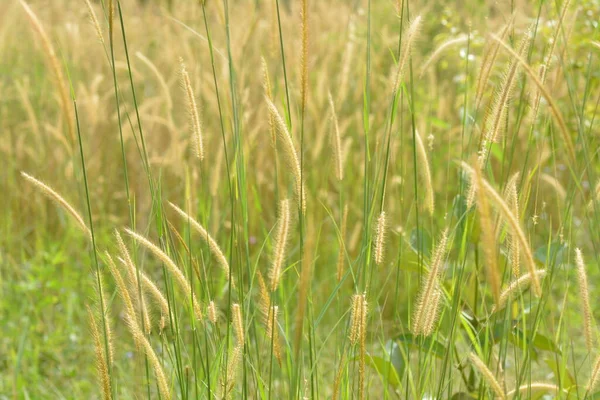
<point x="238" y="325"/>
<point x="280" y="244"/>
<point x="380" y="233"/>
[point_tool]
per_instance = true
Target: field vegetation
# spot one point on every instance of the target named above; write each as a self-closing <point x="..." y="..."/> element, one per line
<point x="288" y="199"/>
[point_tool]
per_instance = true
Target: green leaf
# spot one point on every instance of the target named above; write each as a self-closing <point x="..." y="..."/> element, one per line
<point x="560" y="371"/>
<point x="426" y="344"/>
<point x="462" y="396"/>
<point x="540" y="342"/>
<point x="384" y="369"/>
<point x="553" y="253"/>
<point x="419" y="237"/>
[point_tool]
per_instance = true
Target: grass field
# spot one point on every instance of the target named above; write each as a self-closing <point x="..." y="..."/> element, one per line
<point x="290" y="199"/>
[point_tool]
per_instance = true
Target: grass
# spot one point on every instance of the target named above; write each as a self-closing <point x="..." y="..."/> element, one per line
<point x="299" y="199"/>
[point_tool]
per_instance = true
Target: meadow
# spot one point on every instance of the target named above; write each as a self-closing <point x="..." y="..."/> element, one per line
<point x="299" y="199"/>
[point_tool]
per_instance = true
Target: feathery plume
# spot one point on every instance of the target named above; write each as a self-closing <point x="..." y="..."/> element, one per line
<point x="380" y="239"/>
<point x="59" y="78"/>
<point x="535" y="387"/>
<point x="228" y="381"/>
<point x="584" y="298"/>
<point x="512" y="197"/>
<point x="440" y="49"/>
<point x="238" y="325"/>
<point x="193" y="111"/>
<point x="142" y="342"/>
<point x="123" y="291"/>
<point x="106" y="313"/>
<point x="338" y="379"/>
<point x="134" y="284"/>
<point x="52" y="195"/>
<point x="171" y="267"/>
<point x="272" y="332"/>
<point x="558" y="188"/>
<point x="548" y="59"/>
<point x="500" y="105"/>
<point x="425" y="172"/>
<point x="426" y="311"/>
<point x="94" y="21"/>
<point x="518" y="285"/>
<point x="544" y="92"/>
<point x="487" y="64"/>
<point x="595" y="197"/>
<point x="595" y="377"/>
<point x="280" y="244"/>
<point x="433" y="315"/>
<point x="488" y="376"/>
<point x="265" y="298"/>
<point x="489" y="240"/>
<point x="268" y="95"/>
<point x="358" y="334"/>
<point x="513" y="222"/>
<point x="212" y="244"/>
<point x="290" y="151"/>
<point x="212" y="312"/>
<point x="150" y="288"/>
<point x="101" y="363"/>
<point x="407" y="43"/>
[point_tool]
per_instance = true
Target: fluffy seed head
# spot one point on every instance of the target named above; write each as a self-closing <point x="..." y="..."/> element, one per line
<point x="584" y="299"/>
<point x="52" y="195"/>
<point x="488" y="376"/>
<point x="380" y="239"/>
<point x="193" y="111"/>
<point x="238" y="325"/>
<point x="280" y="244"/>
<point x="101" y="363"/>
<point x="212" y="312"/>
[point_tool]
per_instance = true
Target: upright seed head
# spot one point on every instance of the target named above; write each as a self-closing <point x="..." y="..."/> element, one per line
<point x="429" y="297"/>
<point x="212" y="312"/>
<point x="409" y="37"/>
<point x="380" y="239"/>
<point x="144" y="344"/>
<point x="94" y="21"/>
<point x="290" y="152"/>
<point x="60" y="81"/>
<point x="193" y="111"/>
<point x="357" y="319"/>
<point x="512" y="198"/>
<point x="584" y="299"/>
<point x="280" y="244"/>
<point x="500" y="105"/>
<point x="238" y="325"/>
<point x="513" y="222"/>
<point x="489" y="240"/>
<point x="101" y="362"/>
<point x="594" y="377"/>
<point x="268" y="95"/>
